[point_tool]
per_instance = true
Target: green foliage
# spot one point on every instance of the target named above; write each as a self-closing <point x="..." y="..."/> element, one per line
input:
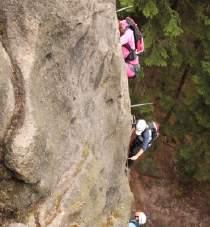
<point x="150" y="9"/>
<point x="158" y="57"/>
<point x="125" y="3"/>
<point x="206" y="20"/>
<point x="172" y="28"/>
<point x="187" y="165"/>
<point x="166" y="102"/>
<point x="206" y="67"/>
<point x="149" y="36"/>
<point x="194" y="162"/>
<point x="175" y="55"/>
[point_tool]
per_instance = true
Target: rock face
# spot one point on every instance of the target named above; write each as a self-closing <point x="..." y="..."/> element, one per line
<point x="64" y="119"/>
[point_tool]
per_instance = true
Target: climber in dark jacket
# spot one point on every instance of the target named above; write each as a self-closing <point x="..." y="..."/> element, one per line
<point x="143" y="134"/>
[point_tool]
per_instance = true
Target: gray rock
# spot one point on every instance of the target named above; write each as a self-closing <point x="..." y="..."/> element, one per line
<point x="71" y="117"/>
<point x="6" y="91"/>
<point x="17" y="225"/>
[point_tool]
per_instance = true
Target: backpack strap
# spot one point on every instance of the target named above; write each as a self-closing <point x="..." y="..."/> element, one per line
<point x="127" y="46"/>
<point x="134" y="121"/>
<point x="132" y="54"/>
<point x="154" y="129"/>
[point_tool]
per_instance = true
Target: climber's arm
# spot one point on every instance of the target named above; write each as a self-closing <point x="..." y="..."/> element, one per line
<point x="135" y="157"/>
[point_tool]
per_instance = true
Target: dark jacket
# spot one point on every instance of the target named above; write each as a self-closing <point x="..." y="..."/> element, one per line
<point x="145" y="138"/>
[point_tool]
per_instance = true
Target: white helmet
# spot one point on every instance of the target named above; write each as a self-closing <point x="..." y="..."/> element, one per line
<point x="141" y="217"/>
<point x="140" y="126"/>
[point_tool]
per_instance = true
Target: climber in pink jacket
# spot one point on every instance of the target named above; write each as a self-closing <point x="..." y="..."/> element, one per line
<point x="128" y="49"/>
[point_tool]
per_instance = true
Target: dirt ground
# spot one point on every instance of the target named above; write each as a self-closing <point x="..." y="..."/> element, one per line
<point x="163" y="199"/>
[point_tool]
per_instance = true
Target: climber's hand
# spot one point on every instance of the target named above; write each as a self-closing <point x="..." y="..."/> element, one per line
<point x="133" y="157"/>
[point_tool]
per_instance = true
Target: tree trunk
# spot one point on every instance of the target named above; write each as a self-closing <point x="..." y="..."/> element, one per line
<point x="177" y="94"/>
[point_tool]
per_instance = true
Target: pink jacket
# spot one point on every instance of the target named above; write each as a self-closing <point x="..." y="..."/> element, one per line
<point x="128" y="38"/>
